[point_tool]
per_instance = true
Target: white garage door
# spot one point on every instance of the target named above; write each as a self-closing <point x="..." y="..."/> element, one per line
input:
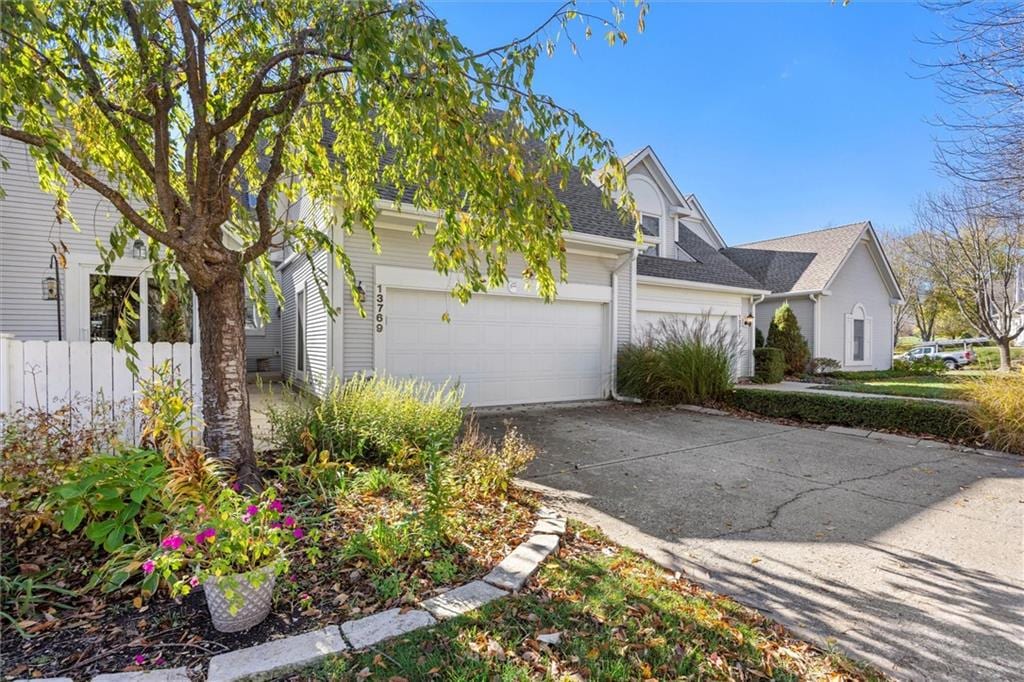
<point x="502" y="349"/>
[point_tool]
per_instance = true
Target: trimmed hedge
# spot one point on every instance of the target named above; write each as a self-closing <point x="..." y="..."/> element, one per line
<point x="769" y="365"/>
<point x="942" y="420"/>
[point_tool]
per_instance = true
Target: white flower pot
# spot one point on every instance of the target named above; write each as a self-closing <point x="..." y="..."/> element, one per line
<point x="238" y="602"/>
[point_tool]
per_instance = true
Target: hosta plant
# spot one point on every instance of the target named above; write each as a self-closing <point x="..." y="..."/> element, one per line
<point x="238" y="541"/>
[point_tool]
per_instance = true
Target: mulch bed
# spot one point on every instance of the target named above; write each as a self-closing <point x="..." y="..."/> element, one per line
<point x="107" y="632"/>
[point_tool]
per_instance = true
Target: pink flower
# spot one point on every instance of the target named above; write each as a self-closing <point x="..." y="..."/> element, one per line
<point x="139" y="659"/>
<point x="148" y="567"/>
<point x="298" y="533"/>
<point x="236" y="486"/>
<point x="172" y="541"/>
<point x="159" y="660"/>
<point x="246" y="518"/>
<point x="289" y="521"/>
<point x="275" y="524"/>
<point x="201" y="510"/>
<point x="252" y="510"/>
<point x="275" y="505"/>
<point x="193" y="581"/>
<point x="205" y="535"/>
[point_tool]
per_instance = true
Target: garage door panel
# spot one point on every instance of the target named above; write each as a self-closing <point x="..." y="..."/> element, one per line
<point x="502" y="349"/>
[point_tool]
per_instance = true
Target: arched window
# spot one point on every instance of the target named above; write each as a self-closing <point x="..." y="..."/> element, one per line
<point x="858" y="337"/>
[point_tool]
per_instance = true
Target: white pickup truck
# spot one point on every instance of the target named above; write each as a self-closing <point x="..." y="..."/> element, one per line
<point x="952" y="357"/>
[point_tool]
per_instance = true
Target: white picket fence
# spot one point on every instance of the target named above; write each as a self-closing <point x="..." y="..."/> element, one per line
<point x="93" y="375"/>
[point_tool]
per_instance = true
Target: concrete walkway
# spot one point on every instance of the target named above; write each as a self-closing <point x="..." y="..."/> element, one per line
<point x="803" y="387"/>
<point x="908" y="556"/>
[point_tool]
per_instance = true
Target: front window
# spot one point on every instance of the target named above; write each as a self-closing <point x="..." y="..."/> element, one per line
<point x="107" y="304"/>
<point x="858" y="340"/>
<point x="170" y="316"/>
<point x="167" y="318"/>
<point x="650" y="225"/>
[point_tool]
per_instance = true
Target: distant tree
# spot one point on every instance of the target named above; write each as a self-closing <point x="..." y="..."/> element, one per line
<point x="784" y="334"/>
<point x="975" y="255"/>
<point x="758" y="338"/>
<point x="927" y="304"/>
<point x="979" y="68"/>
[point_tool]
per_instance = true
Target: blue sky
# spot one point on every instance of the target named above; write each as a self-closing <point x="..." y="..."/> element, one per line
<point x="780" y="117"/>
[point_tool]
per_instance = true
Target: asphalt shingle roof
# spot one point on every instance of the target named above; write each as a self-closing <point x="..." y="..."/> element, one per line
<point x="800" y="262"/>
<point x="708" y="265"/>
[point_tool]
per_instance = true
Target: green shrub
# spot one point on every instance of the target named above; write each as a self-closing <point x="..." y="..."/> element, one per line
<point x="997" y="408"/>
<point x="680" y="361"/>
<point x="943" y="420"/>
<point x="784" y="333"/>
<point x="758" y="338"/>
<point x="116" y="497"/>
<point x="769" y="365"/>
<point x="374" y="418"/>
<point x="39" y="447"/>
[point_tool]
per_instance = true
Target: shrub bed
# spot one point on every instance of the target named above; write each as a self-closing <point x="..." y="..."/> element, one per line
<point x="942" y="420"/>
<point x="998" y="408"/>
<point x="769" y="365"/>
<point x="680" y="361"/>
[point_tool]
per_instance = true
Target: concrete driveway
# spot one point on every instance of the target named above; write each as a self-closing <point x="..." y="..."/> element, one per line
<point x="911" y="557"/>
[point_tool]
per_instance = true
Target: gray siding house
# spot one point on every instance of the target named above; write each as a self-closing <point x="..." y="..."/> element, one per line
<point x="840" y="286"/>
<point x="507" y="346"/>
<point x="29" y="235"/>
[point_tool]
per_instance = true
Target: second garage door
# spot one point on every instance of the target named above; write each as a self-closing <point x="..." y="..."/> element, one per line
<point x="502" y="349"/>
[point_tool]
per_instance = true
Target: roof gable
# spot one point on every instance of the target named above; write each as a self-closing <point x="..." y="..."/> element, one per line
<point x="809" y="261"/>
<point x="708" y="265"/>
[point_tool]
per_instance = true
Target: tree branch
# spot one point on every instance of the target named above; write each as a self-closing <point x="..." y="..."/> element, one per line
<point x="104" y="190"/>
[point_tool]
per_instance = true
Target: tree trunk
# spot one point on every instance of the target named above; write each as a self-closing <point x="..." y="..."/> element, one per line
<point x="228" y="434"/>
<point x="1004" y="353"/>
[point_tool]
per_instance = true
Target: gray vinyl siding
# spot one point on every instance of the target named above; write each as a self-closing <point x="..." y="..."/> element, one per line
<point x="265" y="343"/>
<point x="300" y="272"/>
<point x="859" y="281"/>
<point x="28" y="225"/>
<point x="624" y="303"/>
<point x="803" y="308"/>
<point x="401" y="249"/>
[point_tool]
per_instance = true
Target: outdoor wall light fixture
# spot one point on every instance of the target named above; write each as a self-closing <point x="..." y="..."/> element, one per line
<point x="748" y="320"/>
<point x="138" y="249"/>
<point x="361" y="292"/>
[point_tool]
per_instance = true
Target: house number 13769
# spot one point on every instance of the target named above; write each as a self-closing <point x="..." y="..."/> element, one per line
<point x="378" y="318"/>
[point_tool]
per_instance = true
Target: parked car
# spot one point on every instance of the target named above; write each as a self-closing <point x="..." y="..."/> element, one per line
<point x="951" y="357"/>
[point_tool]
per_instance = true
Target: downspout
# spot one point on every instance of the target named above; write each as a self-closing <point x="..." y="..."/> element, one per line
<point x="816" y="324"/>
<point x="628" y="258"/>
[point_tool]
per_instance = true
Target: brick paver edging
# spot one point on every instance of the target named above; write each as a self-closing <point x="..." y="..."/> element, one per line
<point x="280" y="656"/>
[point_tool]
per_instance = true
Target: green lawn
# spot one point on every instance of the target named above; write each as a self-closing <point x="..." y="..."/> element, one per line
<point x="618" y="617"/>
<point x="940" y="386"/>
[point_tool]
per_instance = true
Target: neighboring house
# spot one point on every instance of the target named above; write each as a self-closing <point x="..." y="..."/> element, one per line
<point x="28" y="232"/>
<point x="840" y="286"/>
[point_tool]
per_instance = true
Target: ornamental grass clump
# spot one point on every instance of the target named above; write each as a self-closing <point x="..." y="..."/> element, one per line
<point x="997" y="408"/>
<point x="377" y="419"/>
<point x="681" y="361"/>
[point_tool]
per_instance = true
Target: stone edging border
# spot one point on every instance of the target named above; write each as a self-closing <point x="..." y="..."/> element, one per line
<point x="280" y="656"/>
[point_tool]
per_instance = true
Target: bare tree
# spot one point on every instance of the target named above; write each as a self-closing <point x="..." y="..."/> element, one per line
<point x="980" y="71"/>
<point x="975" y="253"/>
